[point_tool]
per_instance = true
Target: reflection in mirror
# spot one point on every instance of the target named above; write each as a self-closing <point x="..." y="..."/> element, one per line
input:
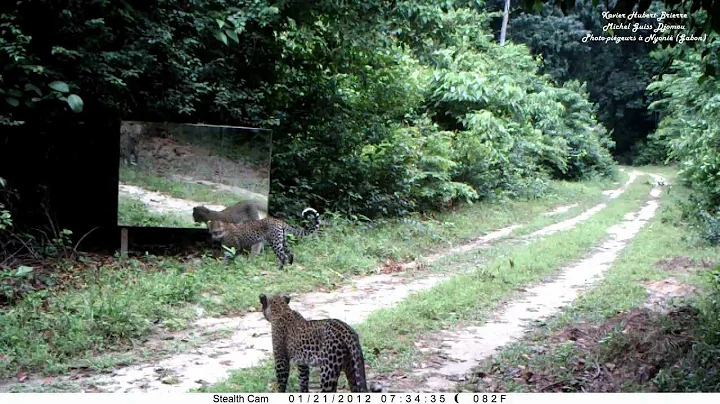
<point x="168" y="171"/>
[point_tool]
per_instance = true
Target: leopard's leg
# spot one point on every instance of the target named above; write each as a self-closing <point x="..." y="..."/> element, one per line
<point x="282" y="372"/>
<point x="256" y="249"/>
<point x="304" y="379"/>
<point x="276" y="242"/>
<point x="329" y="374"/>
<point x="290" y="255"/>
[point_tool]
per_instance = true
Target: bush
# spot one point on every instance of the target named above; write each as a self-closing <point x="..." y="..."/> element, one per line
<point x="699" y="369"/>
<point x="690" y="125"/>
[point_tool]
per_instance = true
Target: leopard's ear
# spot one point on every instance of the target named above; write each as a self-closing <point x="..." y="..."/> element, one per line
<point x="287" y="299"/>
<point x="263" y="300"/>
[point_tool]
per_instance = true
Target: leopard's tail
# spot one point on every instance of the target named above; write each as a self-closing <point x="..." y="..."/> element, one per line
<point x="358" y="364"/>
<point x="307" y="230"/>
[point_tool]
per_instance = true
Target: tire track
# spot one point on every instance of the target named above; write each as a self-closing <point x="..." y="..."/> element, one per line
<point x="250" y="343"/>
<point x="458" y="351"/>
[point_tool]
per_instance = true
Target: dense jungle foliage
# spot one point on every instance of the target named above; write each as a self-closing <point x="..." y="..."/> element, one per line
<point x="416" y="98"/>
<point x="660" y="101"/>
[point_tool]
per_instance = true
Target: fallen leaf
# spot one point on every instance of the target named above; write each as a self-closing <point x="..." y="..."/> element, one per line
<point x="47" y="380"/>
<point x="22" y="376"/>
<point x="226" y="363"/>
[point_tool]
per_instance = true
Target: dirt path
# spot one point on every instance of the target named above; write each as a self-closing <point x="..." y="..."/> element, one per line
<point x="563" y="225"/>
<point x="240" y="192"/>
<point x="157" y="202"/>
<point x="572" y="222"/>
<point x="560" y="209"/>
<point x="250" y="342"/>
<point x="453" y="354"/>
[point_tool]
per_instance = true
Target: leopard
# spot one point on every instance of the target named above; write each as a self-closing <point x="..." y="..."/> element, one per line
<point x="329" y="344"/>
<point x="129" y="139"/>
<point x="238" y="213"/>
<point x="270" y="230"/>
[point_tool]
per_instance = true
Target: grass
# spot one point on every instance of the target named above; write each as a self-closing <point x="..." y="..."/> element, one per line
<point x="667" y="171"/>
<point x="607" y="340"/>
<point x="389" y="335"/>
<point x="132" y="212"/>
<point x="114" y="305"/>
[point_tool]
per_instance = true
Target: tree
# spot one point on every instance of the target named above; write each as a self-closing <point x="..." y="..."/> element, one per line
<point x="505" y="22"/>
<point x="711" y="7"/>
<point x="703" y="17"/>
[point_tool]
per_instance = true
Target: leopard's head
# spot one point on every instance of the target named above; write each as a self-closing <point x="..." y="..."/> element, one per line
<point x="218" y="230"/>
<point x="274" y="306"/>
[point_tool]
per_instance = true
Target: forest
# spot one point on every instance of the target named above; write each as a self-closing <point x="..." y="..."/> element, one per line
<point x="462" y="154"/>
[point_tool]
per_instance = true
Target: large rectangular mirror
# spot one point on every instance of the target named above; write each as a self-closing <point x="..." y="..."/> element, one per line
<point x="167" y="169"/>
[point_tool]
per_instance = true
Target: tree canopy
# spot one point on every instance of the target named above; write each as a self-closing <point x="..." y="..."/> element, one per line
<point x="417" y="98"/>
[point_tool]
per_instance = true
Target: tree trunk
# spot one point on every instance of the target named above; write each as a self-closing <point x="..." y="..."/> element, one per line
<point x="504" y="23"/>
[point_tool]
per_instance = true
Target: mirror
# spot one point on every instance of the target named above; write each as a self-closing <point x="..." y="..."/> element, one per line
<point x="167" y="169"/>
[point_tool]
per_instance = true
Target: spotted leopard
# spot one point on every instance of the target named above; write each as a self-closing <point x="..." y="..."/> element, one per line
<point x="269" y="230"/>
<point x="329" y="344"/>
<point x="238" y="213"/>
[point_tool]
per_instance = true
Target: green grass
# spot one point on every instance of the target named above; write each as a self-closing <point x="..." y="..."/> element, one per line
<point x="115" y="304"/>
<point x="686" y="356"/>
<point x="667" y="171"/>
<point x="132" y="212"/>
<point x="485" y="279"/>
<point x="182" y="189"/>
